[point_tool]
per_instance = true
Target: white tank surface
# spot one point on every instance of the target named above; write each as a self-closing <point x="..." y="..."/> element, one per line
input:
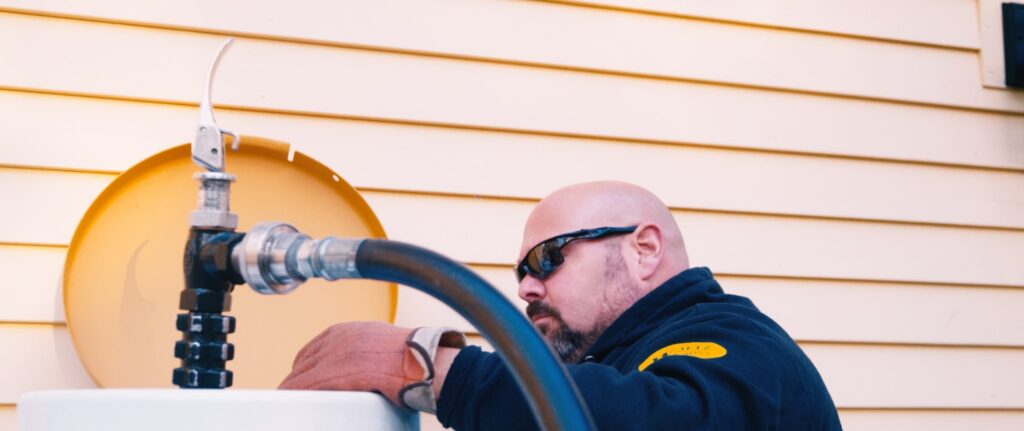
<point x="208" y="409"/>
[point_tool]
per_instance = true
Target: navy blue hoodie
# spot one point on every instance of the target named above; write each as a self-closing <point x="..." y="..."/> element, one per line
<point x="686" y="356"/>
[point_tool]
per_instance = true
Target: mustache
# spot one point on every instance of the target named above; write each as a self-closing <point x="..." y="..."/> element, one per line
<point x="537" y="307"/>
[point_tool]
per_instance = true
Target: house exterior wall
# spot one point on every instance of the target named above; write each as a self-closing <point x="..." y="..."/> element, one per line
<point x="840" y="163"/>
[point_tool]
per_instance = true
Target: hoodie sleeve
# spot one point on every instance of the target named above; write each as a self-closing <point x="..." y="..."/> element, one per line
<point x="742" y="389"/>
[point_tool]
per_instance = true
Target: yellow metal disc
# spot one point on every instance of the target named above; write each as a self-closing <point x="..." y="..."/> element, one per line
<point x="123" y="272"/>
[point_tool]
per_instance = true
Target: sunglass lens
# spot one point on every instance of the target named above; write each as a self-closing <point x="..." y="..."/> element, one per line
<point x="535" y="260"/>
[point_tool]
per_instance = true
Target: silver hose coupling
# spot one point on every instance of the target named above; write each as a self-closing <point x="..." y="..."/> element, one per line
<point x="275" y="258"/>
<point x="214" y="207"/>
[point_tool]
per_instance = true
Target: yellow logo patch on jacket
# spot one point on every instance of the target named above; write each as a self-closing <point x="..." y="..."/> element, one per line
<point x="702" y="350"/>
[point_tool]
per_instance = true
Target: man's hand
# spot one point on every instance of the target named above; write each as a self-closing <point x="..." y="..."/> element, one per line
<point x="357" y="356"/>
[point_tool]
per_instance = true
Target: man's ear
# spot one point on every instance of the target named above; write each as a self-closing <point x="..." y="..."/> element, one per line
<point x="650" y="249"/>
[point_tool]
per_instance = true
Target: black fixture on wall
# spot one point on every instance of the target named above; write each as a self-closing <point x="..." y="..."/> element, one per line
<point x="1013" y="44"/>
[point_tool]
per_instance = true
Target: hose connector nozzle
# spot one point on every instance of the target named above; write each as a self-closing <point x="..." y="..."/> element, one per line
<point x="275" y="258"/>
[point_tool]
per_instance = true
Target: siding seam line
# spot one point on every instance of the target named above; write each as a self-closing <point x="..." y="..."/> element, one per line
<point x="504" y="266"/>
<point x="782" y="27"/>
<point x="520" y="63"/>
<point x="800" y="341"/>
<point x="526" y="132"/>
<point x="848" y="219"/>
<point x="509" y="198"/>
<point x="508" y="266"/>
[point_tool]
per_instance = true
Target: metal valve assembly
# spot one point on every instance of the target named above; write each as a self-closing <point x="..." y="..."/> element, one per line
<point x="209" y="278"/>
<point x="275" y="258"/>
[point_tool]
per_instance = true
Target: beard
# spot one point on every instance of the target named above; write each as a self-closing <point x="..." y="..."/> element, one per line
<point x="618" y="294"/>
<point x="569" y="344"/>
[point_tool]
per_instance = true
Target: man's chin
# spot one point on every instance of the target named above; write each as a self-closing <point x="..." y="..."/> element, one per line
<point x="545" y="326"/>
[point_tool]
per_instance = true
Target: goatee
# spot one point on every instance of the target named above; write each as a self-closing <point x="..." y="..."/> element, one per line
<point x="569" y="344"/>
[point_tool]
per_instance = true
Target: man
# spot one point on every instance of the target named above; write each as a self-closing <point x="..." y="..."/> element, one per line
<point x="650" y="342"/>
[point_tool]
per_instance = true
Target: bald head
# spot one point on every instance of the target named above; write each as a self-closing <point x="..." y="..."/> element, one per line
<point x="608" y="203"/>
<point x="596" y="279"/>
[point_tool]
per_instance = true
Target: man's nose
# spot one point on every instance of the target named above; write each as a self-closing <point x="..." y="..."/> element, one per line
<point x="531" y="289"/>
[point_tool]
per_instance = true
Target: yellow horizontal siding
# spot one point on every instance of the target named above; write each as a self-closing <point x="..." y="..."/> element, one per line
<point x="534" y="33"/>
<point x="867" y="376"/>
<point x="44" y="359"/>
<point x="103" y="135"/>
<point x="7" y="417"/>
<point x="771" y="245"/>
<point x="826" y="310"/>
<point x="860" y="376"/>
<point x="289" y="77"/>
<point x="842" y="311"/>
<point x="859" y="146"/>
<point x="33" y="285"/>
<point x="931" y="420"/>
<point x="50" y="204"/>
<point x="121" y="132"/>
<point x="945" y="23"/>
<point x="734" y="244"/>
<point x="951" y="23"/>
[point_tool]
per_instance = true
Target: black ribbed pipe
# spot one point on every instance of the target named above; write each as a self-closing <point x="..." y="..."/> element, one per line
<point x="551" y="393"/>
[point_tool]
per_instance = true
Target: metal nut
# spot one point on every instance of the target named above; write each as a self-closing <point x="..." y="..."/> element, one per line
<point x="202" y="378"/>
<point x="204" y="350"/>
<point x="205" y="301"/>
<point x="206" y="324"/>
<point x="213" y="219"/>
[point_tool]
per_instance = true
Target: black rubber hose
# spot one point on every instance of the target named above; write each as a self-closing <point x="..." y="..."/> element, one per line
<point x="551" y="393"/>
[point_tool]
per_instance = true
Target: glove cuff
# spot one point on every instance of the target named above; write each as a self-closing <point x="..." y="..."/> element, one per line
<point x="423" y="343"/>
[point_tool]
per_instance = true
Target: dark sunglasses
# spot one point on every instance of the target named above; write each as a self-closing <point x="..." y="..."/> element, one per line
<point x="546" y="257"/>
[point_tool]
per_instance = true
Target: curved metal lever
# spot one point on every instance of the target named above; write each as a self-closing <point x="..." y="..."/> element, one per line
<point x="208" y="146"/>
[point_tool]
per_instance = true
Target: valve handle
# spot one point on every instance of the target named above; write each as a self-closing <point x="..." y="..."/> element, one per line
<point x="208" y="146"/>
